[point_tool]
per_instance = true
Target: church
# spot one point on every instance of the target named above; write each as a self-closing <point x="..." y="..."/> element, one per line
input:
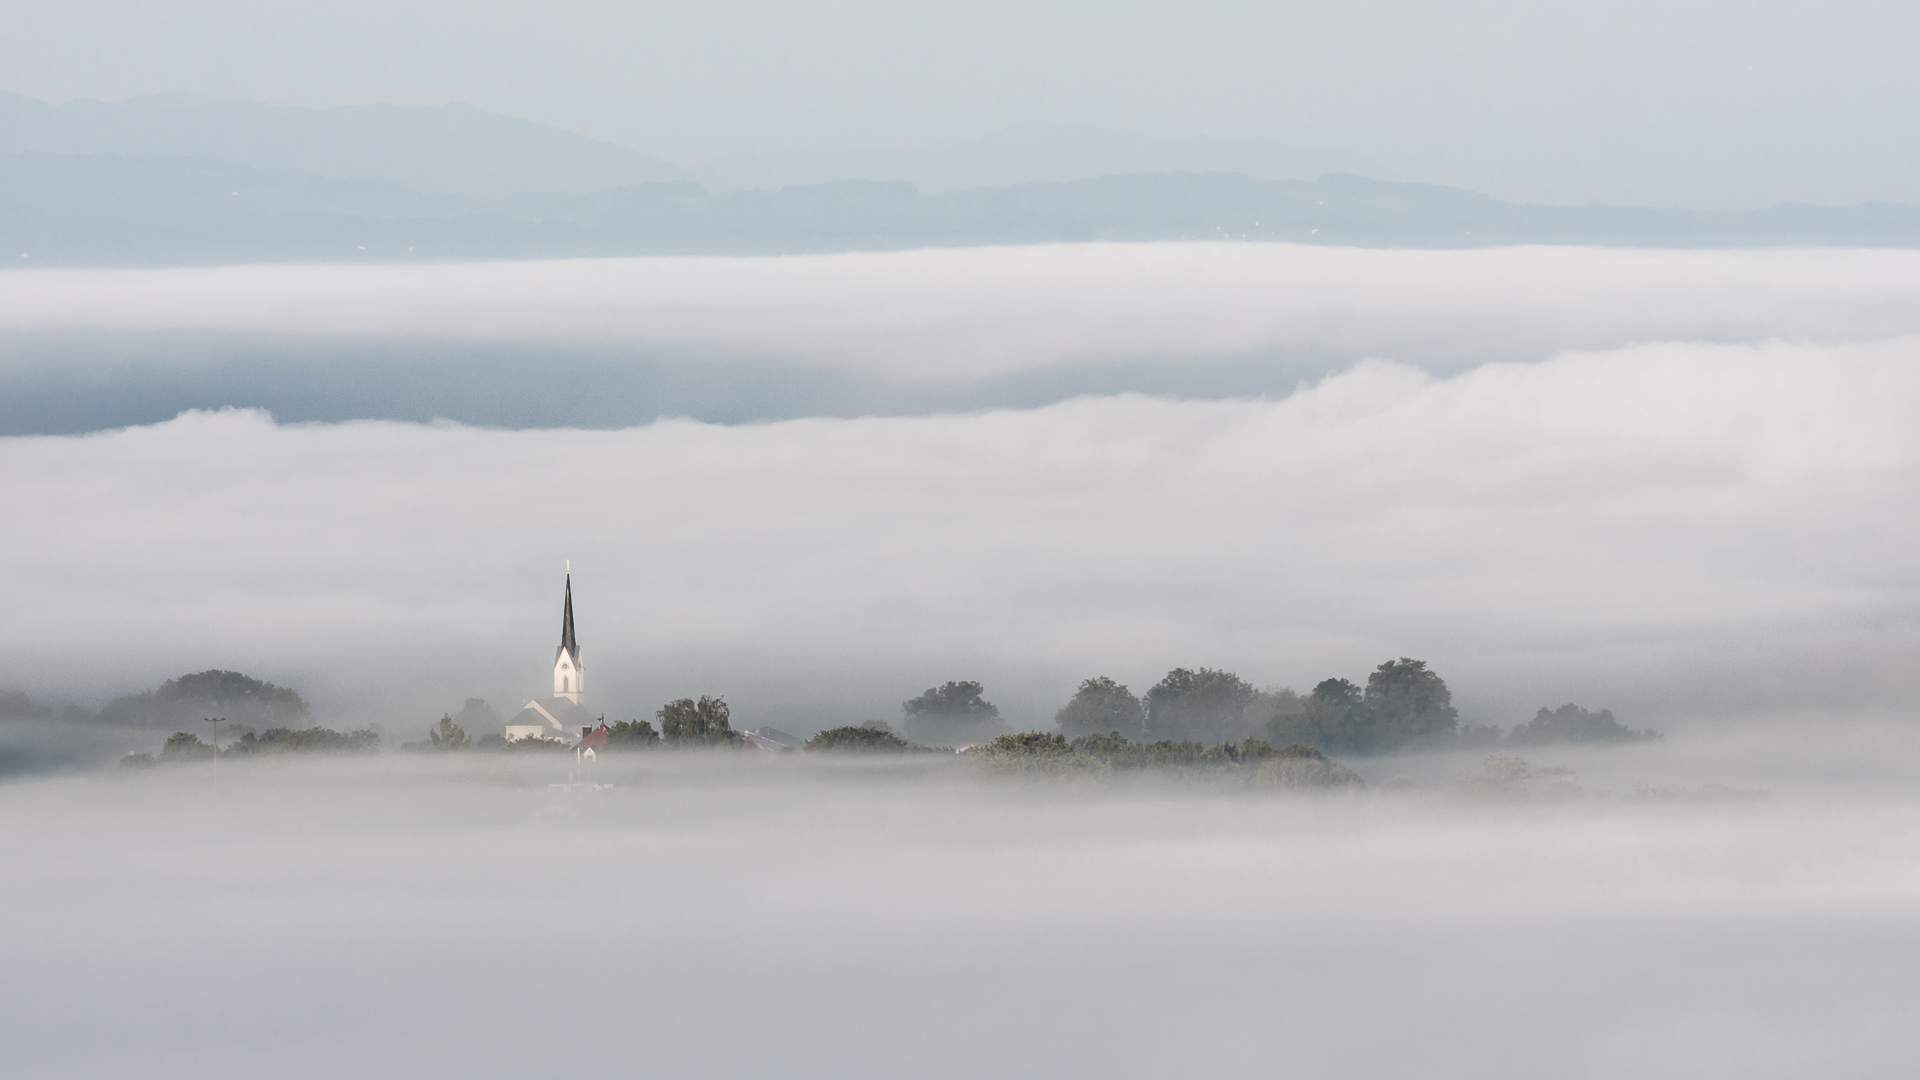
<point x="560" y="716"/>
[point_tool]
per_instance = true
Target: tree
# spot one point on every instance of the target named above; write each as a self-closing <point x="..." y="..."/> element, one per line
<point x="858" y="740"/>
<point x="15" y="705"/>
<point x="1408" y="704"/>
<point x="1204" y="705"/>
<point x="1334" y="717"/>
<point x="1026" y="744"/>
<point x="448" y="735"/>
<point x="1100" y="705"/>
<point x="238" y="698"/>
<point x="477" y="715"/>
<point x="632" y="735"/>
<point x="186" y="746"/>
<point x="1572" y="724"/>
<point x="950" y="714"/>
<point x="313" y="740"/>
<point x="706" y="722"/>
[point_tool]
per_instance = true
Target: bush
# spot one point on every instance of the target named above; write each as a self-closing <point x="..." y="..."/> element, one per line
<point x="858" y="740"/>
<point x="186" y="746"/>
<point x="535" y="744"/>
<point x="1503" y="776"/>
<point x="1251" y="761"/>
<point x="632" y="735"/>
<point x="313" y="740"/>
<point x="1027" y="743"/>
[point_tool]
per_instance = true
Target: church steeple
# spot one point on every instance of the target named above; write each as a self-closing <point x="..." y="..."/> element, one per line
<point x="569" y="675"/>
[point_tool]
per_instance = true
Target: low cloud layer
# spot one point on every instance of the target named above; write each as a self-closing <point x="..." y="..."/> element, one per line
<point x="959" y="315"/>
<point x="1671" y="530"/>
<point x="787" y="918"/>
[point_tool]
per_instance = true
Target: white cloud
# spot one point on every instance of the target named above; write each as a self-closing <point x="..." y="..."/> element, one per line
<point x="1659" y="527"/>
<point x="958" y="315"/>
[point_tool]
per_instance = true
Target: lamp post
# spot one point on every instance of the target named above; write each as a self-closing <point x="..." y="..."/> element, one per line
<point x="215" y="721"/>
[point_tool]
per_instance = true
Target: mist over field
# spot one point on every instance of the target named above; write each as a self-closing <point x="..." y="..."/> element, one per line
<point x="716" y="917"/>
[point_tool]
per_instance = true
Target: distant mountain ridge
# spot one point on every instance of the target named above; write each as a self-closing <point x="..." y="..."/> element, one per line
<point x="1035" y="154"/>
<point x="129" y="210"/>
<point x="177" y="180"/>
<point x="448" y="149"/>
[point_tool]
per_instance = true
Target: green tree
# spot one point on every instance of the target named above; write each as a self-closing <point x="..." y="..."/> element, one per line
<point x="632" y="735"/>
<point x="1572" y="724"/>
<point x="237" y="698"/>
<point x="1026" y="744"/>
<point x="1100" y="705"/>
<point x="186" y="746"/>
<point x="1204" y="705"/>
<point x="1409" y="704"/>
<point x="448" y="735"/>
<point x="1334" y="717"/>
<point x="951" y="714"/>
<point x="313" y="740"/>
<point x="686" y="722"/>
<point x="858" y="740"/>
<point x="15" y="705"/>
<point x="477" y="715"/>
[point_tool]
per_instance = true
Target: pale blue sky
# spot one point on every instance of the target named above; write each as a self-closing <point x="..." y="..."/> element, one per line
<point x="1705" y="104"/>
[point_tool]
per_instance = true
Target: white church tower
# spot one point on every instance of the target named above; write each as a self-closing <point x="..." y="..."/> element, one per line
<point x="560" y="716"/>
<point x="569" y="677"/>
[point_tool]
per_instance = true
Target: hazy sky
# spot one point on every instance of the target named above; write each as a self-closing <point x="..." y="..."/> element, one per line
<point x="1713" y="104"/>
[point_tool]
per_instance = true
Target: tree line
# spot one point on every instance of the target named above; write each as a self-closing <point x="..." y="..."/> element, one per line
<point x="1404" y="705"/>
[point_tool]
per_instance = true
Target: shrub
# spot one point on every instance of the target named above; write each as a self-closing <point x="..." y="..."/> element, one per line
<point x="305" y="741"/>
<point x="632" y="735"/>
<point x="858" y="740"/>
<point x="535" y="744"/>
<point x="186" y="746"/>
<point x="1251" y="761"/>
<point x="1503" y="776"/>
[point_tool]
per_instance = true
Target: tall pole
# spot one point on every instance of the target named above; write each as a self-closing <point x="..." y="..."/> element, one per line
<point x="215" y="721"/>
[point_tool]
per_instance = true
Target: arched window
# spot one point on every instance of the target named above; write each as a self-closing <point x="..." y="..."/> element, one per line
<point x="566" y="685"/>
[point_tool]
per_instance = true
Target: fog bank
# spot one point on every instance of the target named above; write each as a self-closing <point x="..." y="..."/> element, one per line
<point x="1668" y="531"/>
<point x="614" y="343"/>
<point x="410" y="916"/>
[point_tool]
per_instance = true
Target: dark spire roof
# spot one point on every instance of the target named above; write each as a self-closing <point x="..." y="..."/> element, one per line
<point x="567" y="642"/>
